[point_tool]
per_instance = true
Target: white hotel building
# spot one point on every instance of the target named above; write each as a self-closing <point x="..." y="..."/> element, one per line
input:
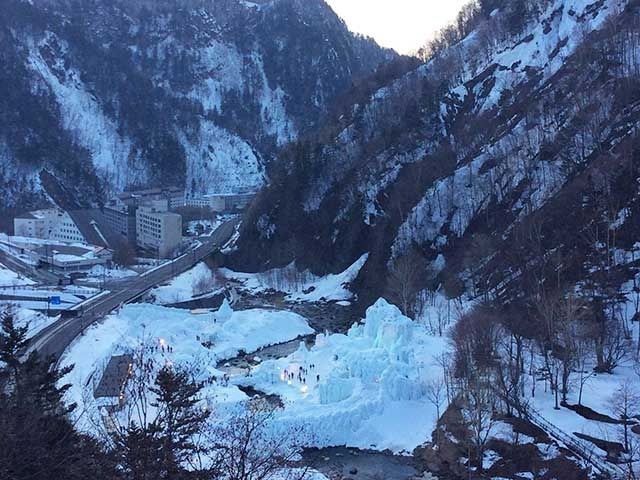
<point x="158" y="230"/>
<point x="48" y="224"/>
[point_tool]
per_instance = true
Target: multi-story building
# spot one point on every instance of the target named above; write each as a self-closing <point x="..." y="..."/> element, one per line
<point x="158" y="231"/>
<point x="48" y="224"/>
<point x="200" y="202"/>
<point x="30" y="225"/>
<point x="121" y="219"/>
<point x="222" y="202"/>
<point x="120" y="212"/>
<point x="175" y="196"/>
<point x="230" y="202"/>
<point x="137" y="198"/>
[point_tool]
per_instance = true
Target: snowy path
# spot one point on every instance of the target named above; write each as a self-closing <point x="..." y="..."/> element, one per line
<point x="582" y="449"/>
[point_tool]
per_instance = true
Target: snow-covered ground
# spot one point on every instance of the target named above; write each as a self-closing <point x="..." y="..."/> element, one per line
<point x="301" y="286"/>
<point x="437" y="312"/>
<point x="505" y="432"/>
<point x="366" y="389"/>
<point x="35" y="320"/>
<point x="298" y="286"/>
<point x="111" y="153"/>
<point x="599" y="394"/>
<point x="39" y="298"/>
<point x="10" y="278"/>
<point x="99" y="273"/>
<point x="198" y="281"/>
<point x="176" y="336"/>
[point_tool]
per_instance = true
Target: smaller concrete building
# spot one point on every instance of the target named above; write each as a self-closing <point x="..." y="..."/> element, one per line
<point x="158" y="230"/>
<point x="64" y="259"/>
<point x="29" y="225"/>
<point x="175" y="196"/>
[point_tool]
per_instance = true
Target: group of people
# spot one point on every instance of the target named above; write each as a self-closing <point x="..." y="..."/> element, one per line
<point x="162" y="347"/>
<point x="300" y="374"/>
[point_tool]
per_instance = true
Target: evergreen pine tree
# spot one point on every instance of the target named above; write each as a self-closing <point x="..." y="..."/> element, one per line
<point x="38" y="440"/>
<point x="161" y="448"/>
<point x="179" y="419"/>
<point x="140" y="449"/>
<point x="13" y="340"/>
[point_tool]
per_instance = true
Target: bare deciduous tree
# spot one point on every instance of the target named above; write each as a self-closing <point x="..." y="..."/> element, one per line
<point x="583" y="350"/>
<point x="124" y="254"/>
<point x="405" y="277"/>
<point x="245" y="448"/>
<point x="509" y="375"/>
<point x="626" y="405"/>
<point x="435" y="392"/>
<point x="563" y="326"/>
<point x="479" y="414"/>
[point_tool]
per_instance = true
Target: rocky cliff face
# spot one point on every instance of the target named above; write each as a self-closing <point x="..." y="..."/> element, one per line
<point x="102" y="95"/>
<point x="536" y="110"/>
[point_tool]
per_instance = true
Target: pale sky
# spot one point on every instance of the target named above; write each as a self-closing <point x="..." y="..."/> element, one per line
<point x="404" y="25"/>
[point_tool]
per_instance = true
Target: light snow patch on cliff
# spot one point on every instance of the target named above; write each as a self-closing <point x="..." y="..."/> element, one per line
<point x="220" y="68"/>
<point x="111" y="153"/>
<point x="219" y="162"/>
<point x="273" y="112"/>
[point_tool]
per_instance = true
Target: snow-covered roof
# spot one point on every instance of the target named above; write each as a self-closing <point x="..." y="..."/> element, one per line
<point x="26" y="216"/>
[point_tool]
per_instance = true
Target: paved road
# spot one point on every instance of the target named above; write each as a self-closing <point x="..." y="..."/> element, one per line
<point x="53" y="340"/>
<point x="27" y="270"/>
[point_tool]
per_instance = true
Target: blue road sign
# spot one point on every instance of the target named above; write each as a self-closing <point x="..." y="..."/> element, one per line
<point x="55" y="300"/>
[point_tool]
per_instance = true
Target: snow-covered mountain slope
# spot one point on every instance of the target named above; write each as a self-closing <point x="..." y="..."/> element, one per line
<point x="110" y="94"/>
<point x="454" y="157"/>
